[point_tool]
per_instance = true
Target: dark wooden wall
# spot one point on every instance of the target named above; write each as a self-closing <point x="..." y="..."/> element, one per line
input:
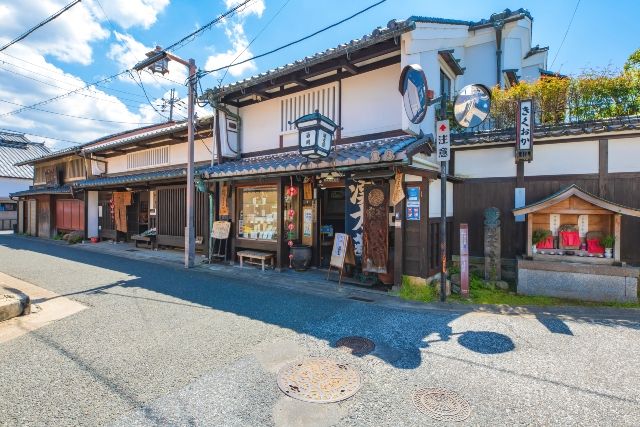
<point x="473" y="196"/>
<point x="171" y="215"/>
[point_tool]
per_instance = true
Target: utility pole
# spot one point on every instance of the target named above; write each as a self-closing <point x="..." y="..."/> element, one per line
<point x="158" y="61"/>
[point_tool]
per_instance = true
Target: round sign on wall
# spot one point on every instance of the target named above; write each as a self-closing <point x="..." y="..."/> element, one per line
<point x="413" y="87"/>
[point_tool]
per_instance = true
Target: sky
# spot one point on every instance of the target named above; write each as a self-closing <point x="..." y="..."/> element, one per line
<point x="96" y="39"/>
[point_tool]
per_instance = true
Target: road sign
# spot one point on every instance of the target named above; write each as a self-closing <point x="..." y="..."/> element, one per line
<point x="443" y="140"/>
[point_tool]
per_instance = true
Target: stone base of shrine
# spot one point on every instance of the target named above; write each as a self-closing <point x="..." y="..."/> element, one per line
<point x="581" y="281"/>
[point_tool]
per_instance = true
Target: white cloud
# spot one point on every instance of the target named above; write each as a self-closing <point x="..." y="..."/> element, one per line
<point x="234" y="30"/>
<point x="127" y="52"/>
<point x="67" y="38"/>
<point x="130" y="13"/>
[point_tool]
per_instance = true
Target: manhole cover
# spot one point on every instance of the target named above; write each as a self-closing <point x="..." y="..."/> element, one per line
<point x="358" y="346"/>
<point x="441" y="404"/>
<point x="319" y="380"/>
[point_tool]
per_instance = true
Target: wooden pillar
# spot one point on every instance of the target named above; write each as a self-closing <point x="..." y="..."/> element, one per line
<point x="603" y="166"/>
<point x="398" y="255"/>
<point x="529" y="234"/>
<point x="617" y="220"/>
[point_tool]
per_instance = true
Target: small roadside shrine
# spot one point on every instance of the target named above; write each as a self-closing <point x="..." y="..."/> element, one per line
<point x="573" y="249"/>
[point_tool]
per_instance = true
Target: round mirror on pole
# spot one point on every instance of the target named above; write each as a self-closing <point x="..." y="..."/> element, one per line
<point x="472" y="105"/>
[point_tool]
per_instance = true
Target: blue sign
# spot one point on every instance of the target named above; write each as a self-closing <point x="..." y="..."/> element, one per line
<point x="413" y="203"/>
<point x="413" y="88"/>
<point x="413" y="213"/>
<point x="413" y="194"/>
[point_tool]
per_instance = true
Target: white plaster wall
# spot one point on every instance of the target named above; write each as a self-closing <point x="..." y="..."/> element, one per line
<point x="92" y="214"/>
<point x="624" y="155"/>
<point x="11" y="185"/>
<point x="371" y="102"/>
<point x="434" y="199"/>
<point x="177" y="156"/>
<point x="260" y="126"/>
<point x="480" y="63"/>
<point x="563" y="159"/>
<point x="486" y="163"/>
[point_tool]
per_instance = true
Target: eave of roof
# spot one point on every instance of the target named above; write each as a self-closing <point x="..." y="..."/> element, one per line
<point x="553" y="131"/>
<point x="136" y="178"/>
<point x="451" y="61"/>
<point x="393" y="29"/>
<point x="64" y="189"/>
<point x="574" y="190"/>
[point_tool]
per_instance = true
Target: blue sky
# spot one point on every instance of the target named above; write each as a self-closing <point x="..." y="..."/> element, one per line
<point x="83" y="46"/>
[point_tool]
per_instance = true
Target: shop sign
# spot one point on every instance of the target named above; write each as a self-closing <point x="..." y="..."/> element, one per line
<point x="443" y="140"/>
<point x="307" y="221"/>
<point x="413" y="203"/>
<point x="221" y="230"/>
<point x="524" y="131"/>
<point x="398" y="193"/>
<point x="224" y="195"/>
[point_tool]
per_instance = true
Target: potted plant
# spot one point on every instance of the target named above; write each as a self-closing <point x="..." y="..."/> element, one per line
<point x="539" y="236"/>
<point x="608" y="241"/>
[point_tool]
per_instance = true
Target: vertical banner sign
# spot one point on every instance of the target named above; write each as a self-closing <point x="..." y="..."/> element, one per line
<point x="464" y="260"/>
<point x="524" y="131"/>
<point x="519" y="202"/>
<point x="443" y="140"/>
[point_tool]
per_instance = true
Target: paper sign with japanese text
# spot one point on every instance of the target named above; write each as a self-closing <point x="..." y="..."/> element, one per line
<point x="524" y="130"/>
<point x="443" y="140"/>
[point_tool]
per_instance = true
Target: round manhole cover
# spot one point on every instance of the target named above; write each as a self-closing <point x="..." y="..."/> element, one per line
<point x="441" y="404"/>
<point x="319" y="380"/>
<point x="358" y="346"/>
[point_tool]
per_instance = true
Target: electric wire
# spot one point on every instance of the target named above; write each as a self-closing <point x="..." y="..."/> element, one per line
<point x="72" y="116"/>
<point x="206" y="72"/>
<point x="106" y="16"/>
<point x="147" y="96"/>
<point x="253" y="40"/>
<point x="191" y="36"/>
<point x="565" y="34"/>
<point x="40" y="136"/>
<point x="41" y="24"/>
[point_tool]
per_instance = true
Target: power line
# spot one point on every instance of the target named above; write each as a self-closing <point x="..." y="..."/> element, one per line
<point x="190" y="37"/>
<point x="106" y="16"/>
<point x="72" y="116"/>
<point x="41" y="24"/>
<point x="206" y="72"/>
<point x="40" y="136"/>
<point x="119" y="102"/>
<point x="145" y="94"/>
<point x="253" y="40"/>
<point x="565" y="34"/>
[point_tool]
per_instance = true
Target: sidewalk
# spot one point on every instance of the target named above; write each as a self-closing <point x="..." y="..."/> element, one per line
<point x="314" y="282"/>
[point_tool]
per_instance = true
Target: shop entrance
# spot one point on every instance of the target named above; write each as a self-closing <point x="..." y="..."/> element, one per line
<point x="332" y="219"/>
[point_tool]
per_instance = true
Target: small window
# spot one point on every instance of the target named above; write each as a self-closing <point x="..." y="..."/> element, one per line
<point x="258" y="213"/>
<point x="74" y="169"/>
<point x="148" y="158"/>
<point x="445" y="85"/>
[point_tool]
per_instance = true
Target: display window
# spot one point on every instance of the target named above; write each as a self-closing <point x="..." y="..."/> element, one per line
<point x="258" y="213"/>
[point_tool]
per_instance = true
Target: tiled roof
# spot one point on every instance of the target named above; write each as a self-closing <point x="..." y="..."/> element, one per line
<point x="376" y="152"/>
<point x="65" y="189"/>
<point x="535" y="50"/>
<point x="566" y="129"/>
<point x="15" y="148"/>
<point x="49" y="155"/>
<point x="394" y="29"/>
<point x="157" y="175"/>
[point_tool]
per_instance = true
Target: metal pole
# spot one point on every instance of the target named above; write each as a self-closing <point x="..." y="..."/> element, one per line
<point x="189" y="232"/>
<point x="443" y="231"/>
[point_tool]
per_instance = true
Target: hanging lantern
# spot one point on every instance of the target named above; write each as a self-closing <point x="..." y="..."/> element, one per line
<point x="290" y="243"/>
<point x="292" y="191"/>
<point x="291" y="213"/>
<point x="291" y="226"/>
<point x="315" y="135"/>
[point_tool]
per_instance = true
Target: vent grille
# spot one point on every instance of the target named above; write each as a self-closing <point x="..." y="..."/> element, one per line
<point x="148" y="158"/>
<point x="295" y="106"/>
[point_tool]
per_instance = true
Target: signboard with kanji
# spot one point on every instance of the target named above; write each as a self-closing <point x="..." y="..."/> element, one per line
<point x="443" y="140"/>
<point x="524" y="130"/>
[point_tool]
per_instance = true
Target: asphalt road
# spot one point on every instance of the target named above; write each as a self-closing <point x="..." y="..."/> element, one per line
<point x="159" y="345"/>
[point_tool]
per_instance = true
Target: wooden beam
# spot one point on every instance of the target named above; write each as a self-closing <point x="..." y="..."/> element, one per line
<point x="603" y="166"/>
<point x="352" y="69"/>
<point x="529" y="234"/>
<point x="300" y="82"/>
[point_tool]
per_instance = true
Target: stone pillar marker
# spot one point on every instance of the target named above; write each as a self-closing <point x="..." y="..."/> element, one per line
<point x="492" y="253"/>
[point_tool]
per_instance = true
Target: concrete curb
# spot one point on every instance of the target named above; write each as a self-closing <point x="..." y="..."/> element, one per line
<point x="331" y="289"/>
<point x="13" y="303"/>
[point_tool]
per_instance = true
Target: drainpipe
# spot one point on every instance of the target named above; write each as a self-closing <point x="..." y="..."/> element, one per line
<point x="498" y="26"/>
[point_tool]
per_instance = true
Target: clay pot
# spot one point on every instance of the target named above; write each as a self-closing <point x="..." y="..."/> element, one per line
<point x="301" y="257"/>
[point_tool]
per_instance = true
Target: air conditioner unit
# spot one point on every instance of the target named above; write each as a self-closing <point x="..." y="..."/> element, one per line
<point x="98" y="166"/>
<point x="229" y="136"/>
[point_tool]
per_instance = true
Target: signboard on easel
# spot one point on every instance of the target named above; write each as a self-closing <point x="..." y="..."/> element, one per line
<point x="341" y="254"/>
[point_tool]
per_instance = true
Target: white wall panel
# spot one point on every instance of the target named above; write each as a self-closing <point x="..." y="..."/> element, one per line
<point x="434" y="199"/>
<point x="624" y="155"/>
<point x="485" y="163"/>
<point x="563" y="159"/>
